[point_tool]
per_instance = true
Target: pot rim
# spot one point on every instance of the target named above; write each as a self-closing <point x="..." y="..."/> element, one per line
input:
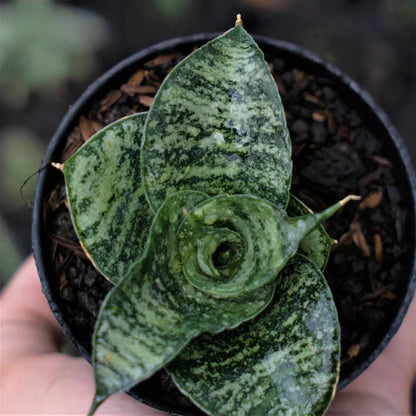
<point x="97" y="86"/>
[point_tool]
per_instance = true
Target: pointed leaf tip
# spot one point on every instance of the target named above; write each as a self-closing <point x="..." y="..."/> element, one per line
<point x="348" y="199"/>
<point x="59" y="166"/>
<point x="317" y="244"/>
<point x="216" y="128"/>
<point x="238" y="21"/>
<point x="301" y="226"/>
<point x="327" y="213"/>
<point x="94" y="406"/>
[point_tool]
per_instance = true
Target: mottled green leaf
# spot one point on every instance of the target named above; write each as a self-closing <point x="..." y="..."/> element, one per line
<point x="217" y="125"/>
<point x="106" y="200"/>
<point x="283" y="362"/>
<point x="154" y="311"/>
<point x="317" y="244"/>
<point x="215" y="168"/>
<point x="233" y="244"/>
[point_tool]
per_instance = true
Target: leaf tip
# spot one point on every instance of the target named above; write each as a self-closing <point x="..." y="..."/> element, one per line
<point x="59" y="166"/>
<point x="348" y="199"/>
<point x="238" y="21"/>
<point x="94" y="406"/>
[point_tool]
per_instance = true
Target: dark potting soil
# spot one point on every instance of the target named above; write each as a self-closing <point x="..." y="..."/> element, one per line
<point x="334" y="155"/>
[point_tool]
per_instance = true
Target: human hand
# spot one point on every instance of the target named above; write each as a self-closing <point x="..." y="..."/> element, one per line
<point x="37" y="379"/>
<point x="385" y="388"/>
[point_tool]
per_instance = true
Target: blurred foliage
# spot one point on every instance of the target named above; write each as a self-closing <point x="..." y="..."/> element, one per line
<point x="42" y="44"/>
<point x="20" y="156"/>
<point x="171" y="9"/>
<point x="10" y="256"/>
<point x="408" y="13"/>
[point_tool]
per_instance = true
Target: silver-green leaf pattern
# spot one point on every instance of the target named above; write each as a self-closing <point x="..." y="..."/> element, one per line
<point x="317" y="244"/>
<point x="283" y="362"/>
<point x="204" y="269"/>
<point x="108" y="207"/>
<point x="217" y="125"/>
<point x="234" y="244"/>
<point x="184" y="209"/>
<point x="154" y="311"/>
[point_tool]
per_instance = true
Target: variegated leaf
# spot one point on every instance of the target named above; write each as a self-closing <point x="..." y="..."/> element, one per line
<point x="283" y="362"/>
<point x="217" y="125"/>
<point x="234" y="244"/>
<point x="106" y="200"/>
<point x="317" y="244"/>
<point x="154" y="311"/>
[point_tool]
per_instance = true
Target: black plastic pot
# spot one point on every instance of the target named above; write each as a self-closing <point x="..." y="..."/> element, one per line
<point x="354" y="95"/>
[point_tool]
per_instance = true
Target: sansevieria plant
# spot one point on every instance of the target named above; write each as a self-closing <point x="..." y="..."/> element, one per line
<point x="217" y="269"/>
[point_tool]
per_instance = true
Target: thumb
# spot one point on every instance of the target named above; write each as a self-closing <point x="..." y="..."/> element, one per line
<point x="27" y="324"/>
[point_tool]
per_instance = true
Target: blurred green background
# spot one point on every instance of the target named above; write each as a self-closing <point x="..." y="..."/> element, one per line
<point x="51" y="50"/>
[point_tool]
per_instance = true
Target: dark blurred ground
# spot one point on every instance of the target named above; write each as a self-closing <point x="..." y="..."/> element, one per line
<point x="50" y="51"/>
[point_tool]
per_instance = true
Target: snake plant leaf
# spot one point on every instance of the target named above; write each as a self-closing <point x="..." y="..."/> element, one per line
<point x="154" y="311"/>
<point x="222" y="252"/>
<point x="317" y="244"/>
<point x="283" y="362"/>
<point x="217" y="125"/>
<point x="105" y="195"/>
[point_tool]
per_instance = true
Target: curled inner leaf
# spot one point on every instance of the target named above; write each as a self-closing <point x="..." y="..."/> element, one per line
<point x="233" y="244"/>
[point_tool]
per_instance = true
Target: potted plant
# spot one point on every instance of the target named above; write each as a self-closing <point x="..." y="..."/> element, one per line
<point x="58" y="249"/>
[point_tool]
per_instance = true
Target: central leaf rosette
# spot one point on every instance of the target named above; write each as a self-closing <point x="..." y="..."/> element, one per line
<point x="219" y="245"/>
<point x="231" y="245"/>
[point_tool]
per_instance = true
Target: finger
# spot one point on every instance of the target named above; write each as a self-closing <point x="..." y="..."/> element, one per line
<point x="385" y="387"/>
<point x="27" y="324"/>
<point x="53" y="383"/>
<point x="56" y="384"/>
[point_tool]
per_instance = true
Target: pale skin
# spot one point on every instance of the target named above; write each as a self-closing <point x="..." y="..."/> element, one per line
<point x="35" y="378"/>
